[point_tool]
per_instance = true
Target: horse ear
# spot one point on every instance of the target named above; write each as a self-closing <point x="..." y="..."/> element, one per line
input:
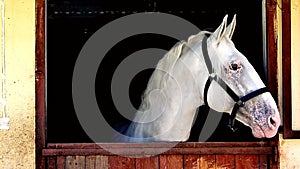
<point x="221" y="30"/>
<point x="230" y="28"/>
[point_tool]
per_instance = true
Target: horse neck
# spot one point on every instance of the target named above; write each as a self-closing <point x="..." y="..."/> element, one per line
<point x="173" y="108"/>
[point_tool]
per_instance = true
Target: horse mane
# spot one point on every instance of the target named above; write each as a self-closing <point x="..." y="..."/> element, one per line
<point x="165" y="66"/>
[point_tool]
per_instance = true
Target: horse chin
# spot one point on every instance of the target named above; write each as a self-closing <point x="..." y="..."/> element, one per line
<point x="258" y="132"/>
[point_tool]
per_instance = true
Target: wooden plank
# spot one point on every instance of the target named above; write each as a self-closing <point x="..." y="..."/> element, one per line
<point x="225" y="161"/>
<point x="272" y="164"/>
<point x="263" y="162"/>
<point x="154" y="151"/>
<point x="146" y="163"/>
<point x="208" y="161"/>
<point x="272" y="36"/>
<point x="101" y="162"/>
<point x="153" y="145"/>
<point x="90" y="162"/>
<point x="191" y="161"/>
<point x="61" y="160"/>
<point x="219" y="150"/>
<point x="51" y="162"/>
<point x="247" y="161"/>
<point x="96" y="162"/>
<point x="171" y="161"/>
<point x="119" y="162"/>
<point x="40" y="137"/>
<point x="75" y="162"/>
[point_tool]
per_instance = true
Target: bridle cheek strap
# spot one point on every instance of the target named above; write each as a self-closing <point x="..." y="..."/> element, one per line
<point x="239" y="101"/>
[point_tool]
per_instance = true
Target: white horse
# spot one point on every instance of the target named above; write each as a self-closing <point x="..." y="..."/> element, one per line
<point x="196" y="72"/>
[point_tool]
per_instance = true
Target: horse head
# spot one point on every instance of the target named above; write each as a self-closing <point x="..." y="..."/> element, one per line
<point x="258" y="110"/>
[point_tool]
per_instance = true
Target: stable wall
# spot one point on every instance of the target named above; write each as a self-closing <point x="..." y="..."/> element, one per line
<point x="17" y="145"/>
<point x="289" y="150"/>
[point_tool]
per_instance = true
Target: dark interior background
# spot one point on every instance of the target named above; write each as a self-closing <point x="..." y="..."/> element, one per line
<point x="70" y="23"/>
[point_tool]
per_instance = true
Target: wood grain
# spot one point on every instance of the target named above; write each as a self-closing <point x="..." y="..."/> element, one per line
<point x="263" y="162"/>
<point x="191" y="161"/>
<point x="40" y="137"/>
<point x="171" y="161"/>
<point x="102" y="162"/>
<point x="75" y="162"/>
<point x="119" y="162"/>
<point x="51" y="162"/>
<point x="145" y="163"/>
<point x="225" y="161"/>
<point x="247" y="161"/>
<point x="61" y="162"/>
<point x="208" y="161"/>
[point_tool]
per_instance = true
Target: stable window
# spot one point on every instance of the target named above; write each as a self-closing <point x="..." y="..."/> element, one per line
<point x="69" y="26"/>
<point x="61" y="141"/>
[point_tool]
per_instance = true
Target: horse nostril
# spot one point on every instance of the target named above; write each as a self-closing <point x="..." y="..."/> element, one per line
<point x="272" y="122"/>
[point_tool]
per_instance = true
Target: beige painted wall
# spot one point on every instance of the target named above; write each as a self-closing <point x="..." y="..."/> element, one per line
<point x="289" y="153"/>
<point x="17" y="147"/>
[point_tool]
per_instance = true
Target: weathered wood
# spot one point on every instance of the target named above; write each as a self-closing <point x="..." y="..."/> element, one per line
<point x="90" y="162"/>
<point x="225" y="161"/>
<point x="272" y="164"/>
<point x="153" y="151"/>
<point x="155" y="148"/>
<point x="145" y="163"/>
<point x="191" y="161"/>
<point x="154" y="145"/>
<point x="208" y="161"/>
<point x="213" y="155"/>
<point x="286" y="71"/>
<point x="119" y="162"/>
<point x="40" y="137"/>
<point x="162" y="161"/>
<point x="51" y="162"/>
<point x="96" y="162"/>
<point x="75" y="162"/>
<point x="61" y="162"/>
<point x="221" y="150"/>
<point x="101" y="162"/>
<point x="263" y="162"/>
<point x="272" y="48"/>
<point x="171" y="161"/>
<point x="247" y="161"/>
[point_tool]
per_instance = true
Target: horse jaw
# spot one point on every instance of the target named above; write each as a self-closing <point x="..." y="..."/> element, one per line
<point x="224" y="103"/>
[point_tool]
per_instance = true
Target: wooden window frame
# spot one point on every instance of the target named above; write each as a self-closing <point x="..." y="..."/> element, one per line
<point x="43" y="149"/>
<point x="288" y="133"/>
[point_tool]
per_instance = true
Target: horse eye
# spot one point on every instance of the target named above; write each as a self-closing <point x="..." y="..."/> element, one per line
<point x="234" y="66"/>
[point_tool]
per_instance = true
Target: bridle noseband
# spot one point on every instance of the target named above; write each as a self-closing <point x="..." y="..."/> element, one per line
<point x="239" y="101"/>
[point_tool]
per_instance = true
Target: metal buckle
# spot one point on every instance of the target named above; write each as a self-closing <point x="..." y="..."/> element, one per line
<point x="240" y="103"/>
